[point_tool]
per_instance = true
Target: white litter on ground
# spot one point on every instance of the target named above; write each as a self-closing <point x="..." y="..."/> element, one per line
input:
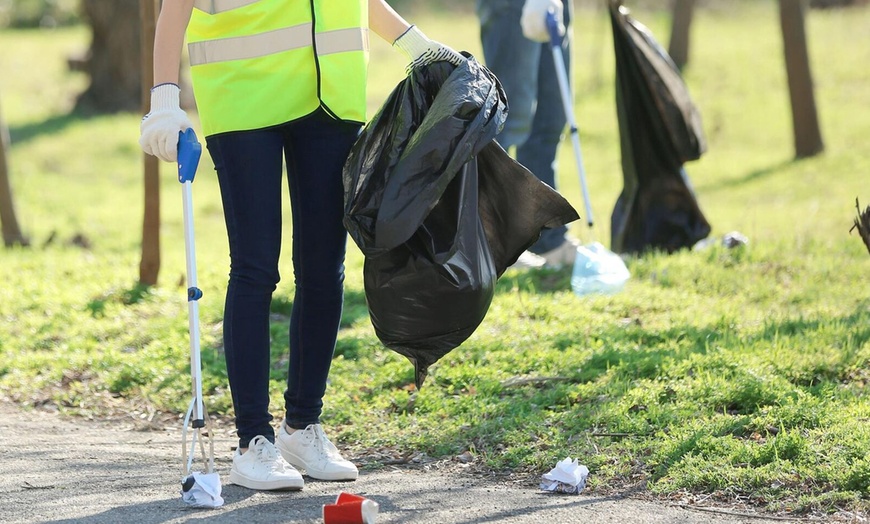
<point x="568" y="477"/>
<point x="202" y="490"/>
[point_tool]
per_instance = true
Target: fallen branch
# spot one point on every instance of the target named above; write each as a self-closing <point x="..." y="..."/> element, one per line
<point x="620" y="434"/>
<point x="402" y="460"/>
<point x="536" y="381"/>
<point x="28" y="485"/>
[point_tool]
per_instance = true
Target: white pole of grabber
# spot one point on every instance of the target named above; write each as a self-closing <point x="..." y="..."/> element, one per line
<point x="567" y="104"/>
<point x="192" y="302"/>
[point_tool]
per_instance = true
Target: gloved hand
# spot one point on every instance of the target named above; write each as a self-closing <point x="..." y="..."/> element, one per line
<point x="534" y="19"/>
<point x="422" y="51"/>
<point x="160" y="127"/>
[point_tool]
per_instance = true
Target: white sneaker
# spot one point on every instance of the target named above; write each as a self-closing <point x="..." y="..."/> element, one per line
<point x="263" y="468"/>
<point x="309" y="449"/>
<point x="562" y="256"/>
<point x="529" y="260"/>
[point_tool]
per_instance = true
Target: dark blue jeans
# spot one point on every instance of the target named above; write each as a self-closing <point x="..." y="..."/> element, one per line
<point x="249" y="169"/>
<point x="536" y="117"/>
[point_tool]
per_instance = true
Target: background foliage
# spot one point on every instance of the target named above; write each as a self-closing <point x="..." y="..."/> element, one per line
<point x="38" y="13"/>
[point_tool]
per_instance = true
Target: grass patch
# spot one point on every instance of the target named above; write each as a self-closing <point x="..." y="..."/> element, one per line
<point x="737" y="373"/>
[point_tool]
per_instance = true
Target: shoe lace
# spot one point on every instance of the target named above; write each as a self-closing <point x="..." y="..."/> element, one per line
<point x="323" y="444"/>
<point x="266" y="453"/>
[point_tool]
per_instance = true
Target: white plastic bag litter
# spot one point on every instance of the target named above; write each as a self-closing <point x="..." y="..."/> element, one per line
<point x="569" y="477"/>
<point x="598" y="270"/>
<point x="202" y="490"/>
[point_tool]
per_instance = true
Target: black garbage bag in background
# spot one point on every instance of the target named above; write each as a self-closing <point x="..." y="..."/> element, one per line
<point x="660" y="129"/>
<point x="439" y="209"/>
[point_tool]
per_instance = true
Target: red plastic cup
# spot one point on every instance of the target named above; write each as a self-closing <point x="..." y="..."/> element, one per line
<point x="344" y="498"/>
<point x="350" y="509"/>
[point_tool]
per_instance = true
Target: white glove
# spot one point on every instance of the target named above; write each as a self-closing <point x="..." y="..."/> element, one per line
<point x="422" y="51"/>
<point x="160" y="127"/>
<point x="534" y="19"/>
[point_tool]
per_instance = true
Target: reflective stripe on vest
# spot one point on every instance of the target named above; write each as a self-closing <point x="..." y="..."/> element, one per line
<point x="242" y="47"/>
<point x="253" y="62"/>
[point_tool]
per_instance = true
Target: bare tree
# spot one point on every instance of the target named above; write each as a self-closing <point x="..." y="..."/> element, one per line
<point x="149" y="265"/>
<point x="12" y="234"/>
<point x="113" y="59"/>
<point x="678" y="47"/>
<point x="807" y="135"/>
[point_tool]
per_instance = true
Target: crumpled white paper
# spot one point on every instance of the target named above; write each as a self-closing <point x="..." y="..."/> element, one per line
<point x="569" y="477"/>
<point x="202" y="490"/>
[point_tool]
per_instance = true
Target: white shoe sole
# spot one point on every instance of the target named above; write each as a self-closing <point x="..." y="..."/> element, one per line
<point x="299" y="464"/>
<point x="266" y="485"/>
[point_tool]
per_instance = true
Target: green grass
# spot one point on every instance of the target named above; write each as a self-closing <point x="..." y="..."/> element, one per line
<point x="739" y="373"/>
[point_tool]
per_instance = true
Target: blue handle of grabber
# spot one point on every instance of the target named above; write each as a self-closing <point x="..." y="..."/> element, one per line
<point x="553" y="28"/>
<point x="189" y="151"/>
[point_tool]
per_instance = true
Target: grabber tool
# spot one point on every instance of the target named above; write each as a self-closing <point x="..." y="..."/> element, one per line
<point x="200" y="488"/>
<point x="568" y="105"/>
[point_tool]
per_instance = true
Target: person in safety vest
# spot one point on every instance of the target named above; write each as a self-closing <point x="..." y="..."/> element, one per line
<point x="277" y="80"/>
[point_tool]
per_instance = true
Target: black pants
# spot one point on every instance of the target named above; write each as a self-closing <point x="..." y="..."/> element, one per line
<point x="249" y="168"/>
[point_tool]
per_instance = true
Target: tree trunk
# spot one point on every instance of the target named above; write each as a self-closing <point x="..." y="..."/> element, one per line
<point x="807" y="135"/>
<point x="678" y="47"/>
<point x="11" y="232"/>
<point x="149" y="265"/>
<point x="113" y="58"/>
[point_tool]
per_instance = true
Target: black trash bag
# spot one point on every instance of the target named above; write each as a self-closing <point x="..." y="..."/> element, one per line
<point x="439" y="209"/>
<point x="660" y="129"/>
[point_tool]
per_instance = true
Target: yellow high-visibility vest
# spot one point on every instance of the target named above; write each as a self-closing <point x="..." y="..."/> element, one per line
<point x="260" y="63"/>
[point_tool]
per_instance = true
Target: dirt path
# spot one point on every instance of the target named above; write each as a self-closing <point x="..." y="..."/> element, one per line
<point x="56" y="470"/>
